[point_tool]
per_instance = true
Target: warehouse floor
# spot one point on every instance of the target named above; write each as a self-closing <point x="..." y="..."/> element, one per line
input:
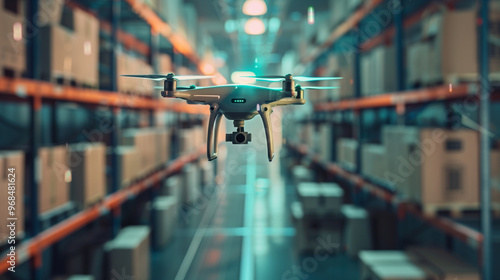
<point x="243" y="229"/>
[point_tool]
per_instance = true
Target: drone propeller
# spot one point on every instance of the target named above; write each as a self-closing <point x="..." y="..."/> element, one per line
<point x="277" y="78"/>
<point x="159" y="77"/>
<point x="319" y="88"/>
<point x="182" y="88"/>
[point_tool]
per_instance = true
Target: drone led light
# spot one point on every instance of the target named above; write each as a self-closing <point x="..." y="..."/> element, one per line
<point x="254" y="7"/>
<point x="255" y="26"/>
<point x="17" y="31"/>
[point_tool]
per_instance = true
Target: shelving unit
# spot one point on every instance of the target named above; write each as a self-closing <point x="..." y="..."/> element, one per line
<point x="461" y="232"/>
<point x="33" y="247"/>
<point x="398" y="100"/>
<point x="36" y="93"/>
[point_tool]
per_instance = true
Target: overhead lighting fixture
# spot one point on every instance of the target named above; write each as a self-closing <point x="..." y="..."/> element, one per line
<point x="254" y="7"/>
<point x="240" y="77"/>
<point x="255" y="26"/>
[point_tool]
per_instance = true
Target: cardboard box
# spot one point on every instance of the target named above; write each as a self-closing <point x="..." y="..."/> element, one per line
<point x="387" y="265"/>
<point x="53" y="189"/>
<point x="309" y="194"/>
<point x="12" y="46"/>
<point x="450" y="174"/>
<point x="415" y="61"/>
<point x="164" y="215"/>
<point x="88" y="168"/>
<point x="332" y="195"/>
<point x="57" y="54"/>
<point x="191" y="183"/>
<point x="373" y="161"/>
<point x="165" y="64"/>
<point x="129" y="252"/>
<point x="173" y="187"/>
<point x="346" y="152"/>
<point x="128" y="165"/>
<point x="383" y="70"/>
<point x="86" y="48"/>
<point x="301" y="174"/>
<point x="51" y="10"/>
<point x="326" y="142"/>
<point x="12" y="159"/>
<point x="145" y="142"/>
<point x="357" y="230"/>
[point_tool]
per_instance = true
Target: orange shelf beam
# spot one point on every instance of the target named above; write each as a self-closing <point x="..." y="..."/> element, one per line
<point x="401" y="98"/>
<point x="30" y="88"/>
<point x="463" y="233"/>
<point x="45" y="239"/>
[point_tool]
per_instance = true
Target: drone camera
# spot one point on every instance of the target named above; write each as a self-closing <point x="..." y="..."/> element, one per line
<point x="239" y="137"/>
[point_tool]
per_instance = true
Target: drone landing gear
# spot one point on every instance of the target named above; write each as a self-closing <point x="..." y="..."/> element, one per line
<point x="265" y="113"/>
<point x="240" y="136"/>
<point x="212" y="141"/>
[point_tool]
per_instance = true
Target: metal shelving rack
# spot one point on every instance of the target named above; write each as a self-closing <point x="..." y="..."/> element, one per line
<point x="480" y="92"/>
<point x="37" y="92"/>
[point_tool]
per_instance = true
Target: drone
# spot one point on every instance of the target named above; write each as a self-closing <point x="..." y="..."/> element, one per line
<point x="238" y="102"/>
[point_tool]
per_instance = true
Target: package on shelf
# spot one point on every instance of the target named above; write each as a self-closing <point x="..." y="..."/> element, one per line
<point x="400" y="144"/>
<point x="146" y="142"/>
<point x="373" y="161"/>
<point x="86" y="48"/>
<point x="173" y="187"/>
<point x="341" y="65"/>
<point x="55" y="175"/>
<point x="12" y="46"/>
<point x="383" y="71"/>
<point x="357" y="229"/>
<point x="87" y="162"/>
<point x="453" y="35"/>
<point x="433" y="166"/>
<point x="445" y="264"/>
<point x="207" y="172"/>
<point x="69" y="52"/>
<point x="129" y="253"/>
<point x="52" y="11"/>
<point x="191" y="139"/>
<point x="346" y="152"/>
<point x="415" y="60"/>
<point x="332" y="195"/>
<point x="164" y="220"/>
<point x="326" y="140"/>
<point x="128" y="63"/>
<point x="306" y="133"/>
<point x="12" y="179"/>
<point x="128" y="164"/>
<point x="368" y="76"/>
<point x="191" y="183"/>
<point x="301" y="174"/>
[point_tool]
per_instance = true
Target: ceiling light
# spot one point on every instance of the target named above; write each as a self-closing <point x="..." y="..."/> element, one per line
<point x="254" y="7"/>
<point x="254" y="26"/>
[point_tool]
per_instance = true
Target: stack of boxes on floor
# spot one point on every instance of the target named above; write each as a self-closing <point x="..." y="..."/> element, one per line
<point x="12" y="47"/>
<point x="317" y="216"/>
<point x="416" y="263"/>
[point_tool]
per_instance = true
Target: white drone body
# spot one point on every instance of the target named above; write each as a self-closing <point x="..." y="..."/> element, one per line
<point x="238" y="103"/>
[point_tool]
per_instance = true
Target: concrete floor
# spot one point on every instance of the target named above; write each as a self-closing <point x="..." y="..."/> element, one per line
<point x="244" y="230"/>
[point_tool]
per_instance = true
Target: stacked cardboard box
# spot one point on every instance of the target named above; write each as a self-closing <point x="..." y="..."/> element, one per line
<point x="435" y="167"/>
<point x="88" y="168"/>
<point x="326" y="140"/>
<point x="12" y="47"/>
<point x="192" y="139"/>
<point x="129" y="252"/>
<point x="70" y="51"/>
<point x="55" y="175"/>
<point x="173" y="187"/>
<point x="312" y="231"/>
<point x="301" y="174"/>
<point x="13" y="160"/>
<point x="165" y="63"/>
<point x="341" y="65"/>
<point x="164" y="215"/>
<point x="357" y="230"/>
<point x="152" y="147"/>
<point x="448" y="50"/>
<point x="191" y="183"/>
<point x="346" y="152"/>
<point x="128" y="164"/>
<point x="373" y="161"/>
<point x="320" y="198"/>
<point x="378" y="70"/>
<point x="128" y="63"/>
